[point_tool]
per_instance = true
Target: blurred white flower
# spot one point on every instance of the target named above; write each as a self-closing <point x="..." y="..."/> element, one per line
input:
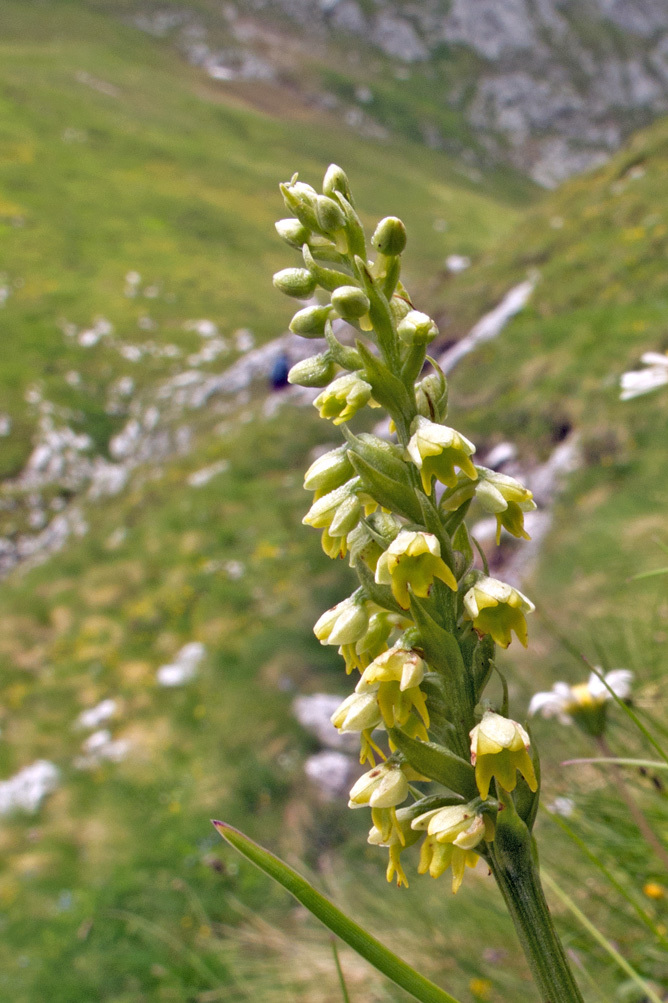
<point x="642" y="381"/>
<point x="585" y="702"/>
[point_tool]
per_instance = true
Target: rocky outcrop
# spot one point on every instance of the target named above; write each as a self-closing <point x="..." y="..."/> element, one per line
<point x="552" y="87"/>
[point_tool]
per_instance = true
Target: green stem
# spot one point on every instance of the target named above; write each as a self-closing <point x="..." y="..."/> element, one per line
<point x="511" y="861"/>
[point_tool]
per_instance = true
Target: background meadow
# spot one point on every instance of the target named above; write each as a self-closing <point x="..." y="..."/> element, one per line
<point x="137" y="199"/>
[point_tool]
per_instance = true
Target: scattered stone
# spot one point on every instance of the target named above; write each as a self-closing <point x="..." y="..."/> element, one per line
<point x="184" y="667"/>
<point x="203" y="476"/>
<point x="244" y="339"/>
<point x="26" y="790"/>
<point x="234" y="570"/>
<point x="331" y="773"/>
<point x="95" y="716"/>
<point x="457" y="263"/>
<point x="100" y="747"/>
<point x="490" y="326"/>
<point x="5" y="424"/>
<point x="314" y="712"/>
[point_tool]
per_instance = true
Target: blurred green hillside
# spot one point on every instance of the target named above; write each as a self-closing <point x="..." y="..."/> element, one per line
<point x="115" y="157"/>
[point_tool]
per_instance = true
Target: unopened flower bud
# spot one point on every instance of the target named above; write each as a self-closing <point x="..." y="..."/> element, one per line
<point x="358" y="712"/>
<point x="336" y="180"/>
<point x="383" y="787"/>
<point x="329" y="471"/>
<point x="300" y="199"/>
<point x="293" y="232"/>
<point x="329" y="215"/>
<point x="317" y="371"/>
<point x="297" y="282"/>
<point x="417" y="328"/>
<point x="350" y="302"/>
<point x="344" y="623"/>
<point x="310" y="322"/>
<point x="389" y="237"/>
<point x="347" y="516"/>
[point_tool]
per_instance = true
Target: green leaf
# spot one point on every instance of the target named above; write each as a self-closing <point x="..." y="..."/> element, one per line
<point x="381" y="455"/>
<point x="437" y="763"/>
<point x="354" y="228"/>
<point x="388" y="389"/>
<point x="385" y="490"/>
<point x="350" y="932"/>
<point x="440" y="647"/>
<point x="380" y="314"/>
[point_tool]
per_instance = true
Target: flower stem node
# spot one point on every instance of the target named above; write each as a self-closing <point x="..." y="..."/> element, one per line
<point x="344" y="623"/>
<point x="499" y="748"/>
<point x="416" y="328"/>
<point x="436" y="450"/>
<point x="499" y="494"/>
<point x="389" y="237"/>
<point x="343" y="398"/>
<point x="413" y="559"/>
<point x="586" y="703"/>
<point x="317" y="371"/>
<point x="297" y="282"/>
<point x="497" y="609"/>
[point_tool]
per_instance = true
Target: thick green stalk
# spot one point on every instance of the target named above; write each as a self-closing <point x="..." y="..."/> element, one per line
<point x="512" y="864"/>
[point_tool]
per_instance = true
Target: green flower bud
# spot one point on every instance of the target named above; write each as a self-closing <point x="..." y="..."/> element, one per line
<point x="329" y="471"/>
<point x="293" y="232"/>
<point x="317" y="371"/>
<point x="417" y="328"/>
<point x="399" y="307"/>
<point x="389" y="237"/>
<point x="431" y="395"/>
<point x="329" y="214"/>
<point x="300" y="199"/>
<point x="344" y="623"/>
<point x="297" y="282"/>
<point x="336" y="180"/>
<point x="310" y="322"/>
<point x="350" y="302"/>
<point x="347" y="516"/>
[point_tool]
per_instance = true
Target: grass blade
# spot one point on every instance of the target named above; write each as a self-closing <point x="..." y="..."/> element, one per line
<point x="339" y="972"/>
<point x="600" y="938"/>
<point x="350" y="932"/>
<point x="641" y="764"/>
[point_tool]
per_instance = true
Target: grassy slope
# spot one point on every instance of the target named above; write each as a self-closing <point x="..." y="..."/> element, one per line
<point x="599" y="247"/>
<point x="161" y="176"/>
<point x="115" y="157"/>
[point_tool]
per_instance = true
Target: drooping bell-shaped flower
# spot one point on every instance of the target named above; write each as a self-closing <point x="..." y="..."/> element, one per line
<point x="499" y="748"/>
<point x="498" y="609"/>
<point x="500" y="495"/>
<point x="343" y="398"/>
<point x="436" y="450"/>
<point x="413" y="559"/>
